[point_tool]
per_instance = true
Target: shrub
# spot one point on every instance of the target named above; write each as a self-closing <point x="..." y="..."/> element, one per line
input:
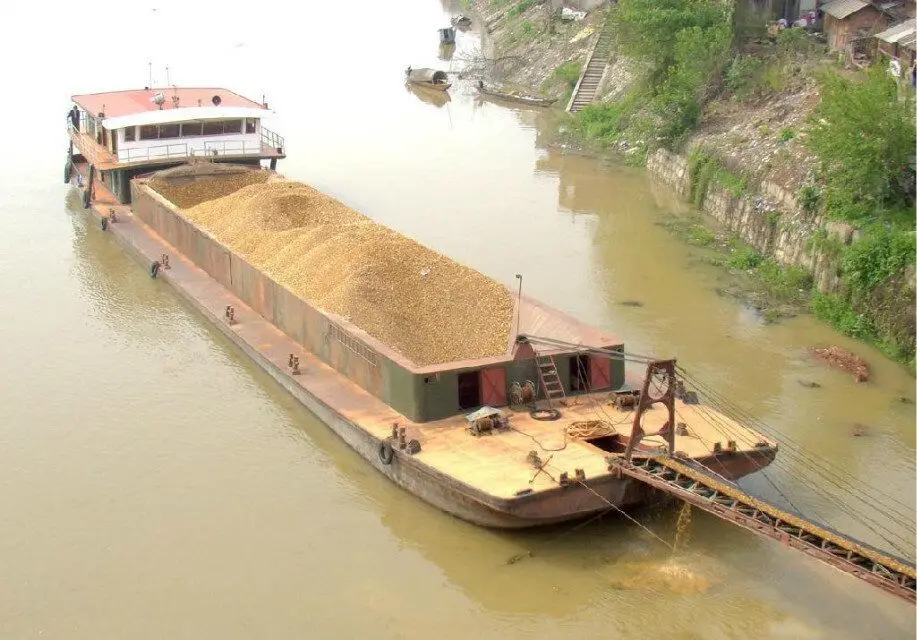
<point x="744" y="259"/>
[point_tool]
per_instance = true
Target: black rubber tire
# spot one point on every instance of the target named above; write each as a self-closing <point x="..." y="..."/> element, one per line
<point x="86" y="198"/>
<point x="545" y="414"/>
<point x="386" y="452"/>
<point x="104" y="223"/>
<point x="154" y="269"/>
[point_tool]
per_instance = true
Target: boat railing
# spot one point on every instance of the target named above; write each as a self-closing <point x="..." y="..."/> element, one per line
<point x="183" y="149"/>
<point x="271" y="139"/>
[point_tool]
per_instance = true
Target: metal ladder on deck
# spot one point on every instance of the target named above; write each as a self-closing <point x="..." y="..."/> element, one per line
<point x="550" y="380"/>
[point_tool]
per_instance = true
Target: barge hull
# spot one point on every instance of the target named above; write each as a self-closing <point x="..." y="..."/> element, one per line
<point x="319" y="388"/>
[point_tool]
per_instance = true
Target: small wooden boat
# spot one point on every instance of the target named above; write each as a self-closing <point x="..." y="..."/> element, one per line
<point x="430" y="78"/>
<point x="515" y="97"/>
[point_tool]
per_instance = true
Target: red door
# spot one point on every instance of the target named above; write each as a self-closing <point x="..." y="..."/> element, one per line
<point x="599" y="372"/>
<point x="493" y="387"/>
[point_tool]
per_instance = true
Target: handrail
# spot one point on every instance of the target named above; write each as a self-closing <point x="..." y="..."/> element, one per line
<point x="185" y="149"/>
<point x="271" y="139"/>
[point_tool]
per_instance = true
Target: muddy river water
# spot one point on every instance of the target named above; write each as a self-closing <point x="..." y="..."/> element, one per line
<point x="153" y="483"/>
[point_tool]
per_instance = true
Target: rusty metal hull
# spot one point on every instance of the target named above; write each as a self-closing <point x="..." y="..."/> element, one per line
<point x="258" y="336"/>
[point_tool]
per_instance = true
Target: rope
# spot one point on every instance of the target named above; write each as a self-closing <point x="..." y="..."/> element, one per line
<point x="812" y="460"/>
<point x="622" y="512"/>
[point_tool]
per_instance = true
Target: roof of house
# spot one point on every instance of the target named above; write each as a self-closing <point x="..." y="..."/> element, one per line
<point x="115" y="104"/>
<point x="840" y="9"/>
<point x="900" y="33"/>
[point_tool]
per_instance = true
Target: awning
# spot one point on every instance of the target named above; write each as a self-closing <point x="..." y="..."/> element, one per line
<point x="182" y="114"/>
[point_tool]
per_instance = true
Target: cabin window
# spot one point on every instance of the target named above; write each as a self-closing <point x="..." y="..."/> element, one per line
<point x="130" y="134"/>
<point x="168" y="130"/>
<point x="431" y="379"/>
<point x="192" y="129"/>
<point x="250" y="125"/>
<point x="213" y="128"/>
<point x="149" y="132"/>
<point x="232" y="126"/>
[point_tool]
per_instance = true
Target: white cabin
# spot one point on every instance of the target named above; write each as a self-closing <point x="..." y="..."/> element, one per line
<point x="124" y="133"/>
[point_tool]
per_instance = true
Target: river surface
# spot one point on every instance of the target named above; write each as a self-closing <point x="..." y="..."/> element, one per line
<point x="154" y="484"/>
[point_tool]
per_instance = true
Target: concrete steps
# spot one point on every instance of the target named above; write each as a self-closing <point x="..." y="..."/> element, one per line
<point x="585" y="90"/>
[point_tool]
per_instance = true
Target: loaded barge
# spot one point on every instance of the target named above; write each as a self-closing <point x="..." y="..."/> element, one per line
<point x="488" y="404"/>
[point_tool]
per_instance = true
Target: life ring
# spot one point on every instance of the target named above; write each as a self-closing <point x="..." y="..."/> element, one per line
<point x="104" y="223"/>
<point x="386" y="452"/>
<point x="545" y="414"/>
<point x="154" y="269"/>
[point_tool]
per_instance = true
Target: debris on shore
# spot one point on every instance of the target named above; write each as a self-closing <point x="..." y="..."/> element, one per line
<point x="840" y="358"/>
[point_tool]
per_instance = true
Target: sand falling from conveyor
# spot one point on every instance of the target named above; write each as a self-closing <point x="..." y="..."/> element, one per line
<point x="424" y="305"/>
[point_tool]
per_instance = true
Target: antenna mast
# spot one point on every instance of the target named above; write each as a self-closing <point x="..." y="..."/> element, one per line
<point x="150" y="66"/>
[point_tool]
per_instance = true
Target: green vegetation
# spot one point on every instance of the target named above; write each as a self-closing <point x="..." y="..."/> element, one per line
<point x="864" y="137"/>
<point x="569" y="72"/>
<point x="684" y="42"/>
<point x="565" y="75"/>
<point x="521" y="7"/>
<point x="809" y="198"/>
<point x="705" y="168"/>
<point x="744" y="259"/>
<point x="786" y="134"/>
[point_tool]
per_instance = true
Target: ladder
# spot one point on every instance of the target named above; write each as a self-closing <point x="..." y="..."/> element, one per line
<point x="683" y="480"/>
<point x="550" y="380"/>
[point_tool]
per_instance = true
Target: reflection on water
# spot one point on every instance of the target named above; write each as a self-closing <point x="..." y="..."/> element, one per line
<point x="430" y="96"/>
<point x="154" y="481"/>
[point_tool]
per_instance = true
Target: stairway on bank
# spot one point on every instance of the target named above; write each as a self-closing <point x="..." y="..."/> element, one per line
<point x="588" y="84"/>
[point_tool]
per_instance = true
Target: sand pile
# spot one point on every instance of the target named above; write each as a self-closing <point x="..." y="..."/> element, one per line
<point x="185" y="195"/>
<point x="426" y="306"/>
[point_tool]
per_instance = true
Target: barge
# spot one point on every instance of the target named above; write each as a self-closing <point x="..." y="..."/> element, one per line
<point x="519" y="430"/>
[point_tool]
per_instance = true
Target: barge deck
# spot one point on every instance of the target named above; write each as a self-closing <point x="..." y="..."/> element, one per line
<point x="487" y="480"/>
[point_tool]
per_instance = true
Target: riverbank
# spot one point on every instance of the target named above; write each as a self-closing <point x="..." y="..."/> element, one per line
<point x="745" y="158"/>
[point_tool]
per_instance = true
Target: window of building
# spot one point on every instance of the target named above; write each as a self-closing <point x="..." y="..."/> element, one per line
<point x="130" y="134"/>
<point x="169" y="131"/>
<point x="431" y="379"/>
<point x="232" y="126"/>
<point x="192" y="129"/>
<point x="251" y="125"/>
<point x="149" y="132"/>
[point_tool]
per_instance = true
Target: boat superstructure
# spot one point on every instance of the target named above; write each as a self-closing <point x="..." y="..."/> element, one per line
<point x="121" y="134"/>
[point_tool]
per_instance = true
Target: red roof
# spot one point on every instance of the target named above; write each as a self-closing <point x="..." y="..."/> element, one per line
<point x="123" y="103"/>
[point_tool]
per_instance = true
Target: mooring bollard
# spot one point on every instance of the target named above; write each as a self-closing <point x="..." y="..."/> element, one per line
<point x="230" y="314"/>
<point x="165" y="261"/>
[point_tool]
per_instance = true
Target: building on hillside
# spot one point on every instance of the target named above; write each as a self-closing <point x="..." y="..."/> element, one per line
<point x="847" y="21"/>
<point x="898" y="42"/>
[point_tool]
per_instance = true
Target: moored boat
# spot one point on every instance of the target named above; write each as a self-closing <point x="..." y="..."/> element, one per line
<point x="429" y="78"/>
<point x="514" y="96"/>
<point x="515" y="430"/>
